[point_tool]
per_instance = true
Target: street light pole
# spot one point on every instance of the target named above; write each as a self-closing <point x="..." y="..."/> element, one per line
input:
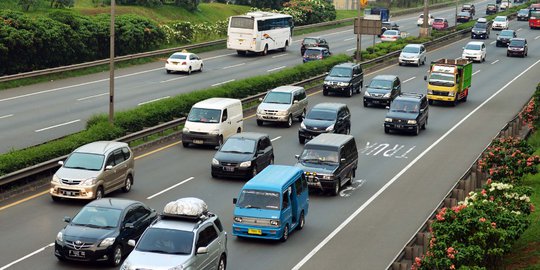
<point x="455" y="17"/>
<point x="111" y="66"/>
<point x="424" y="29"/>
<point x="358" y="57"/>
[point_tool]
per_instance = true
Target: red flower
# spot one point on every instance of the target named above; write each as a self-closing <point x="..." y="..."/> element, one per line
<point x="494" y="225"/>
<point x="484" y="192"/>
<point x="482" y="219"/>
<point x="488" y="181"/>
<point x="452" y="267"/>
<point x="491" y="198"/>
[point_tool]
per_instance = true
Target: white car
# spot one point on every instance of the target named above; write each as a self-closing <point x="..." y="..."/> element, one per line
<point x="420" y="20"/>
<point x="474" y="51"/>
<point x="500" y="23"/>
<point x="390" y="35"/>
<point x="184" y="61"/>
<point x="413" y="54"/>
<point x="505" y="5"/>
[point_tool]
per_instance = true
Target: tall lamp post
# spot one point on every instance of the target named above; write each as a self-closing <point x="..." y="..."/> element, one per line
<point x="424" y="29"/>
<point x="360" y="7"/>
<point x="111" y="66"/>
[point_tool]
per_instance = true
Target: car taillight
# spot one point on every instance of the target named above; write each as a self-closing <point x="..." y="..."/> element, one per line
<point x="167" y="62"/>
<point x="184" y="63"/>
<point x="383" y="36"/>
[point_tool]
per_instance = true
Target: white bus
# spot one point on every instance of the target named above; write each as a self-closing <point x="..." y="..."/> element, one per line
<point x="259" y="32"/>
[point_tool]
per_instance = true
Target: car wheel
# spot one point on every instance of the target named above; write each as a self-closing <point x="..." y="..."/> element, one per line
<point x="220" y="140"/>
<point x="365" y="104"/>
<point x="128" y="184"/>
<point x="302" y="221"/>
<point x="285" y="235"/>
<point x="185" y="144"/>
<point x="386" y="130"/>
<point x="272" y="160"/>
<point x="430" y="101"/>
<point x="201" y="69"/>
<point x="222" y="263"/>
<point x="302" y="116"/>
<point x="359" y="89"/>
<point x="289" y="121"/>
<point x="189" y="71"/>
<point x="60" y="258"/>
<point x="168" y="71"/>
<point x="56" y="199"/>
<point x="425" y="124"/>
<point x="260" y="122"/>
<point x="417" y="130"/>
<point x="419" y="63"/>
<point x="350" y="93"/>
<point x="399" y="63"/>
<point x="99" y="193"/>
<point x="265" y="51"/>
<point x="116" y="257"/>
<point x="348" y="131"/>
<point x="254" y="171"/>
<point x="325" y="93"/>
<point x="507" y="54"/>
<point x="302" y="140"/>
<point x="337" y="186"/>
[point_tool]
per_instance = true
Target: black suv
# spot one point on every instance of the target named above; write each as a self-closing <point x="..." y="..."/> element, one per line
<point x="309" y="42"/>
<point x="503" y="39"/>
<point x="382" y="90"/>
<point x="408" y="112"/>
<point x="325" y="118"/>
<point x="481" y="29"/>
<point x="517" y="46"/>
<point x="388" y="26"/>
<point x="492" y="9"/>
<point x="470" y="8"/>
<point x="344" y="78"/>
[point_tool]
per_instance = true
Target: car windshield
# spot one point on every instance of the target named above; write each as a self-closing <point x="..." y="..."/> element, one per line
<point x="500" y="19"/>
<point x="411" y="49"/>
<point x="517" y="43"/>
<point x="340" y="72"/>
<point x="238" y="145"/>
<point x="204" y="115"/>
<point x="390" y="33"/>
<point x="535" y="14"/>
<point x="310" y="41"/>
<point x="523" y="11"/>
<point x="380" y="84"/>
<point x="441" y="79"/>
<point x="178" y="56"/>
<point x="84" y="161"/>
<point x="167" y="241"/>
<point x="474" y="47"/>
<point x="438" y="21"/>
<point x="319" y="156"/>
<point x="312" y="53"/>
<point x="97" y="217"/>
<point x="464" y="14"/>
<point x="480" y="25"/>
<point x="326" y="115"/>
<point x="278" y="98"/>
<point x="258" y="199"/>
<point x="405" y="106"/>
<point x="507" y="33"/>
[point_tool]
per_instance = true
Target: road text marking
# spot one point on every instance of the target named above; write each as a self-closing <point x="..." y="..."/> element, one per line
<point x="59" y="125"/>
<point x="153" y="100"/>
<point x="373" y="149"/>
<point x="169" y="188"/>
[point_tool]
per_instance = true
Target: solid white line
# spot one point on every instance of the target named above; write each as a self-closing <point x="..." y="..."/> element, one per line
<point x="493" y="42"/>
<point x="389" y="183"/>
<point x="94" y="96"/>
<point x="274" y="69"/>
<point x="276" y="138"/>
<point x="409" y="79"/>
<point x="347" y="39"/>
<point x="351" y="49"/>
<point x="26" y="257"/>
<point x="519" y="29"/>
<point x="279" y="55"/>
<point x="537" y="37"/>
<point x="167" y="189"/>
<point x="173" y="79"/>
<point x="495" y="61"/>
<point x="237" y="65"/>
<point x="6" y="116"/>
<point x="216" y="84"/>
<point x="476" y="72"/>
<point x="59" y="125"/>
<point x="153" y="100"/>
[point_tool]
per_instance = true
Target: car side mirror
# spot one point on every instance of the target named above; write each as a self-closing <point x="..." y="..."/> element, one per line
<point x="108" y="167"/>
<point x="61" y="163"/>
<point x="295" y="102"/>
<point x="422" y="110"/>
<point x="326" y="73"/>
<point x="131" y="242"/>
<point x="202" y="250"/>
<point x="463" y="48"/>
<point x="234" y="200"/>
<point x="129" y="226"/>
<point x="67" y="219"/>
<point x="297" y="156"/>
<point x="342" y="160"/>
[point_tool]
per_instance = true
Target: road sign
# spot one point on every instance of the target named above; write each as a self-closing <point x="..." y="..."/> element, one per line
<point x="368" y="27"/>
<point x="363" y="3"/>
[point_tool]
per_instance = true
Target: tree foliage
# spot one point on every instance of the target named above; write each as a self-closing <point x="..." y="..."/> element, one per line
<point x="27" y="4"/>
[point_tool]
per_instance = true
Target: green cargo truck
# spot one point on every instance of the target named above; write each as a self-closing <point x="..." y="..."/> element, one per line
<point x="449" y="80"/>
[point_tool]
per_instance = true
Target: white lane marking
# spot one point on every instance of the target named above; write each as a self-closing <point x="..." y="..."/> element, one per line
<point x="274" y="69"/>
<point x="173" y="79"/>
<point x="389" y="183"/>
<point x="169" y="188"/>
<point x="237" y="65"/>
<point x="493" y="42"/>
<point x="351" y="49"/>
<point x="409" y="79"/>
<point x="537" y="37"/>
<point x="94" y="96"/>
<point x="519" y="29"/>
<point x="279" y="55"/>
<point x="6" y="116"/>
<point x="216" y="84"/>
<point x="347" y="39"/>
<point x="219" y="56"/>
<point x="26" y="257"/>
<point x="153" y="100"/>
<point x="495" y="61"/>
<point x="59" y="125"/>
<point x="476" y="72"/>
<point x="276" y="138"/>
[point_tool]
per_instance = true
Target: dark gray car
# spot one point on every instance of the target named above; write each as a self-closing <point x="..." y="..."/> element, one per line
<point x="345" y="78"/>
<point x="325" y="118"/>
<point x="408" y="112"/>
<point x="382" y="90"/>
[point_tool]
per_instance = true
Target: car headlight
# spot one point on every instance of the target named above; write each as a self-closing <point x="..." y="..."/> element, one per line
<point x="185" y="130"/>
<point x="259" y="111"/>
<point x="126" y="266"/>
<point x="411" y="122"/>
<point x="238" y="219"/>
<point x="245" y="164"/>
<point x="330" y="128"/>
<point x="387" y="119"/>
<point x="107" y="242"/>
<point x="451" y="94"/>
<point x="327" y="82"/>
<point x="367" y="94"/>
<point x="430" y="92"/>
<point x="302" y="125"/>
<point x="55" y="179"/>
<point x="215" y="161"/>
<point x="327" y="177"/>
<point x="281" y="113"/>
<point x="214" y="132"/>
<point x="387" y="95"/>
<point x="274" y="222"/>
<point x="60" y="237"/>
<point x="89" y="182"/>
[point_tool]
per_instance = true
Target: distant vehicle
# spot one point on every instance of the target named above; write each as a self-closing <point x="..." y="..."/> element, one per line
<point x="470" y="8"/>
<point x="534" y="16"/>
<point x="449" y="80"/>
<point x="185" y="62"/>
<point x="505" y="5"/>
<point x="325" y="118"/>
<point x="492" y="9"/>
<point x="282" y="105"/>
<point x="390" y="35"/>
<point x="345" y="78"/>
<point x="93" y="170"/>
<point x="523" y="15"/>
<point x="243" y="155"/>
<point x="383" y="12"/>
<point x="503" y="39"/>
<point x="475" y="51"/>
<point x="388" y="26"/>
<point x="420" y="20"/>
<point x="408" y="112"/>
<point x="101" y="230"/>
<point x="517" y="46"/>
<point x="316" y="53"/>
<point x="440" y="24"/>
<point x="309" y="42"/>
<point x="413" y="54"/>
<point x="500" y="23"/>
<point x="464" y="16"/>
<point x="481" y="29"/>
<point x="259" y="32"/>
<point x="382" y="90"/>
<point x="186" y="236"/>
<point x="272" y="204"/>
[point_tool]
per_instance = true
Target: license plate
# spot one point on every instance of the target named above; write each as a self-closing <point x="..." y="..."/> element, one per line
<point x="228" y="169"/>
<point x="76" y="253"/>
<point x="399" y="126"/>
<point x="241" y="39"/>
<point x="255" y="231"/>
<point x="69" y="193"/>
<point x="198" y="141"/>
<point x="375" y="102"/>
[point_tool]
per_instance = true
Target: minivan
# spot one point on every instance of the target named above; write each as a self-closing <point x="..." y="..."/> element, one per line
<point x="283" y="104"/>
<point x="329" y="162"/>
<point x="272" y="204"/>
<point x="325" y="118"/>
<point x="212" y="121"/>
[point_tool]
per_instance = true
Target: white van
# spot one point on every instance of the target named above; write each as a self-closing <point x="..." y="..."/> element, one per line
<point x="212" y="121"/>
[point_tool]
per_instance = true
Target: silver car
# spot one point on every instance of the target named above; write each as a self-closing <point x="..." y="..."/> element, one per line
<point x="178" y="241"/>
<point x="283" y="104"/>
<point x="414" y="54"/>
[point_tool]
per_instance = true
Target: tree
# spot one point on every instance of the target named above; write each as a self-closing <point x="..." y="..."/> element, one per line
<point x="62" y="3"/>
<point x="26" y="4"/>
<point x="190" y="5"/>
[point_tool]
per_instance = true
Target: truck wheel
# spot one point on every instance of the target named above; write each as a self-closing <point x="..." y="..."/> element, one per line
<point x="302" y="221"/>
<point x="430" y="101"/>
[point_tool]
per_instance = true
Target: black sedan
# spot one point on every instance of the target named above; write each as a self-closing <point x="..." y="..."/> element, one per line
<point x="523" y="15"/>
<point x="464" y="16"/>
<point x="101" y="230"/>
<point x="517" y="46"/>
<point x="503" y="39"/>
<point x="243" y="155"/>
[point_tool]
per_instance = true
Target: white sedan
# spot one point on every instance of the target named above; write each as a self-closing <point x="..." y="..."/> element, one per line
<point x="475" y="51"/>
<point x="420" y="20"/>
<point x="390" y="35"/>
<point x="500" y="23"/>
<point x="184" y="61"/>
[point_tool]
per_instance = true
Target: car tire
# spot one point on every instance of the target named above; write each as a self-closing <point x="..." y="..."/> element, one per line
<point x="61" y="258"/>
<point x="128" y="184"/>
<point x="425" y="124"/>
<point x="359" y="89"/>
<point x="302" y="140"/>
<point x="386" y="130"/>
<point x="201" y="68"/>
<point x="116" y="257"/>
<point x="337" y="186"/>
<point x="99" y="193"/>
<point x="168" y="71"/>
<point x="254" y="171"/>
<point x="285" y="235"/>
<point x="417" y="130"/>
<point x="213" y="175"/>
<point x="366" y="104"/>
<point x="260" y="122"/>
<point x="348" y="131"/>
<point x="189" y="71"/>
<point x="56" y="199"/>
<point x="185" y="144"/>
<point x="430" y="101"/>
<point x="325" y="92"/>
<point x="302" y="116"/>
<point x="507" y="54"/>
<point x="350" y="93"/>
<point x="400" y="64"/>
<point x="302" y="221"/>
<point x="222" y="265"/>
<point x="289" y="121"/>
<point x="220" y="140"/>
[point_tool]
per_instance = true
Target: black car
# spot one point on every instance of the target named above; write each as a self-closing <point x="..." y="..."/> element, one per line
<point x="382" y="90"/>
<point x="408" y="112"/>
<point x="464" y="16"/>
<point x="504" y="37"/>
<point x="345" y="79"/>
<point x="243" y="155"/>
<point x="309" y="42"/>
<point x="470" y="8"/>
<point x="101" y="230"/>
<point x="523" y="15"/>
<point x="517" y="46"/>
<point x="316" y="53"/>
<point x="492" y="9"/>
<point x="481" y="29"/>
<point x="388" y="26"/>
<point x="325" y="118"/>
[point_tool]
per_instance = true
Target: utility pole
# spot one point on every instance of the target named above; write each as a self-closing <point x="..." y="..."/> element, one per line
<point x="424" y="29"/>
<point x="111" y="66"/>
<point x="360" y="8"/>
<point x="455" y="17"/>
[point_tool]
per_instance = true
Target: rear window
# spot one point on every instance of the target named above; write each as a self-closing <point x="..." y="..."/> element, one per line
<point x="500" y="19"/>
<point x="310" y="41"/>
<point x="312" y="53"/>
<point x="242" y="22"/>
<point x="178" y="56"/>
<point x="439" y="20"/>
<point x="390" y="33"/>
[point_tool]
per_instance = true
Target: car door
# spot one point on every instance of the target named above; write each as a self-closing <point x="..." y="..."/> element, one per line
<point x="135" y="222"/>
<point x="295" y="106"/>
<point x="268" y="151"/>
<point x="226" y="124"/>
<point x="121" y="168"/>
<point x="423" y="113"/>
<point x="484" y="51"/>
<point x="396" y="88"/>
<point x="110" y="176"/>
<point x="303" y="102"/>
<point x="207" y="237"/>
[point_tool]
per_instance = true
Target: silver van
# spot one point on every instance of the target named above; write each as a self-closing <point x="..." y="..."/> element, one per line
<point x="94" y="170"/>
<point x="283" y="104"/>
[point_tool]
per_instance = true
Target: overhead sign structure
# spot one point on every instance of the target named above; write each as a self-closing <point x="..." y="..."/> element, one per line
<point x="367" y="26"/>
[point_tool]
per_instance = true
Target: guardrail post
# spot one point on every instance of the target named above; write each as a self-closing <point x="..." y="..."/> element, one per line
<point x="408" y="253"/>
<point x="458" y="194"/>
<point x="450" y="202"/>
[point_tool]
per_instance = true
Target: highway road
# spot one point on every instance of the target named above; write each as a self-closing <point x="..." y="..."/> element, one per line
<point x="47" y="111"/>
<point x="400" y="180"/>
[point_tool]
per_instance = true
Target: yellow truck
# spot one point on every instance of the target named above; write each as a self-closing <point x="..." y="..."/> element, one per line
<point x="449" y="80"/>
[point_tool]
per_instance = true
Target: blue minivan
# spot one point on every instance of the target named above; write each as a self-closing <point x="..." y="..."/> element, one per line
<point x="272" y="204"/>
